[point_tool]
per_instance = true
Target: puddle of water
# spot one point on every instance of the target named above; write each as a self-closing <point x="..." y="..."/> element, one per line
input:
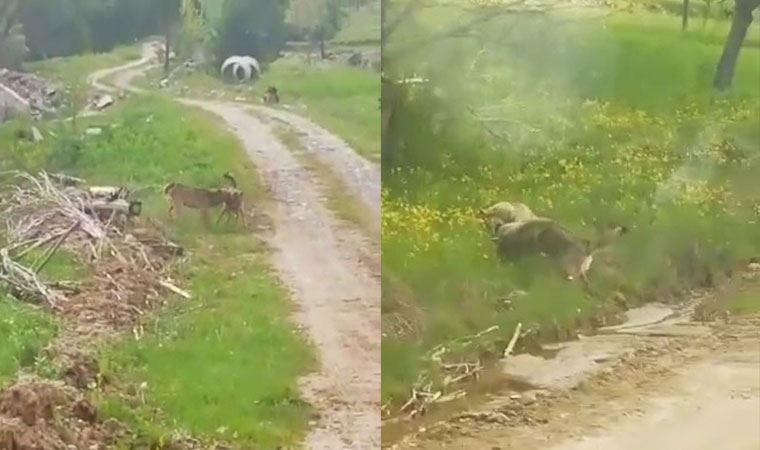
<point x="491" y="380"/>
<point x="548" y="366"/>
<point x="648" y="314"/>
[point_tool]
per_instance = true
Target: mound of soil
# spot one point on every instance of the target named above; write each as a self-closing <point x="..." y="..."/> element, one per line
<point x="38" y="414"/>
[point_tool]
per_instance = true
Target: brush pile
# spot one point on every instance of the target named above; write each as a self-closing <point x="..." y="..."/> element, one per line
<point x="44" y="214"/>
<point x="126" y="273"/>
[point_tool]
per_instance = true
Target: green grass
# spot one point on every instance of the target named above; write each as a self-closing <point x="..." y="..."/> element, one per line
<point x="746" y="301"/>
<point x="361" y="26"/>
<point x="342" y="99"/>
<point x="583" y="120"/>
<point x="73" y="69"/>
<point x="24" y="332"/>
<point x="229" y="358"/>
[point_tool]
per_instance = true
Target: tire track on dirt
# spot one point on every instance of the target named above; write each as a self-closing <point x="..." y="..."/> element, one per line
<point x="323" y="263"/>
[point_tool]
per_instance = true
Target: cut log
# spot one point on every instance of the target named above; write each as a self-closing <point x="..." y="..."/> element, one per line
<point x="108" y="192"/>
<point x="106" y="210"/>
<point x="118" y="206"/>
<point x="66" y="180"/>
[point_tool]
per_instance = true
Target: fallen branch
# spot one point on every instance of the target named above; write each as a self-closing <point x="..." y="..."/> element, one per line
<point x="175" y="289"/>
<point x="513" y="341"/>
<point x="24" y="281"/>
<point x="49" y="254"/>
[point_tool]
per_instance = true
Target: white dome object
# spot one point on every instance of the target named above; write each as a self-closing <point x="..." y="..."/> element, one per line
<point x="247" y="64"/>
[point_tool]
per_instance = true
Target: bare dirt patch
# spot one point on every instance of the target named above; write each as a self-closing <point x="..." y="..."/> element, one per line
<point x="39" y="414"/>
<point x="129" y="271"/>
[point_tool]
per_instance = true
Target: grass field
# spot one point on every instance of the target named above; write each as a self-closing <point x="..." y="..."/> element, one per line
<point x="24" y="332"/>
<point x="361" y="26"/>
<point x="586" y="120"/>
<point x="745" y="301"/>
<point x="74" y="69"/>
<point x="225" y="363"/>
<point x="342" y="99"/>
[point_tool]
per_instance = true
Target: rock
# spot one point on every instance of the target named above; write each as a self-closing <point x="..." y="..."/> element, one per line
<point x="163" y="83"/>
<point x="93" y="131"/>
<point x="104" y="102"/>
<point x="754" y="267"/>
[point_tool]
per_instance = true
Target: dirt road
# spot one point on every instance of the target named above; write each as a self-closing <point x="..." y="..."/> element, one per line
<point x="324" y="263"/>
<point x="670" y="384"/>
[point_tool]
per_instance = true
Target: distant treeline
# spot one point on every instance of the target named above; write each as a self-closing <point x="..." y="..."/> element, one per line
<point x="39" y="29"/>
<point x="64" y="27"/>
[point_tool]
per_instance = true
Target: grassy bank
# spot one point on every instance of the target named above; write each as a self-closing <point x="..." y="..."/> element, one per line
<point x="361" y="26"/>
<point x="24" y="332"/>
<point x="74" y="69"/>
<point x="342" y="99"/>
<point x="225" y="363"/>
<point x="587" y="121"/>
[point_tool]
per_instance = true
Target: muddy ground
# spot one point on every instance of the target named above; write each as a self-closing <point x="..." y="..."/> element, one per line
<point x="660" y="380"/>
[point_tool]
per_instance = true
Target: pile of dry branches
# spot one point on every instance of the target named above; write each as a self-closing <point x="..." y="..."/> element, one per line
<point x="45" y="213"/>
<point x="452" y="370"/>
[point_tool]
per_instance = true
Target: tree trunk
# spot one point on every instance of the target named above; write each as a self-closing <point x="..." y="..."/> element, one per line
<point x="322" y="48"/>
<point x="741" y="21"/>
<point x="167" y="51"/>
<point x="685" y="15"/>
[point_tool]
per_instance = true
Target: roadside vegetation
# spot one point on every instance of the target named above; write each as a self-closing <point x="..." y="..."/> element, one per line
<point x="341" y="98"/>
<point x="222" y="365"/>
<point x="236" y="330"/>
<point x="589" y="117"/>
<point x="24" y="332"/>
<point x="73" y="70"/>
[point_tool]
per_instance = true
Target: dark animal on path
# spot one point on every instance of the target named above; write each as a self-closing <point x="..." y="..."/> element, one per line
<point x="271" y="96"/>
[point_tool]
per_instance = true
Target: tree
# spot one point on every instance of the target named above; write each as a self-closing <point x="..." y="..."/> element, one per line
<point x="195" y="30"/>
<point x="327" y="25"/>
<point x="251" y="28"/>
<point x="13" y="47"/>
<point x="170" y="14"/>
<point x="685" y="15"/>
<point x="724" y="73"/>
<point x="320" y="20"/>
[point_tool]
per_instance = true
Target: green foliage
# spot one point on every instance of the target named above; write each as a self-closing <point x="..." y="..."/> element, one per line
<point x="361" y="25"/>
<point x="252" y="27"/>
<point x="65" y="27"/>
<point x="746" y="301"/>
<point x="342" y="99"/>
<point x="73" y="70"/>
<point x="24" y="332"/>
<point x="195" y="31"/>
<point x="584" y="120"/>
<point x="328" y="21"/>
<point x="13" y="47"/>
<point x="236" y="330"/>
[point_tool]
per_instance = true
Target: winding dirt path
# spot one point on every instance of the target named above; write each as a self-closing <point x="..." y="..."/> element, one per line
<point x="323" y="262"/>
